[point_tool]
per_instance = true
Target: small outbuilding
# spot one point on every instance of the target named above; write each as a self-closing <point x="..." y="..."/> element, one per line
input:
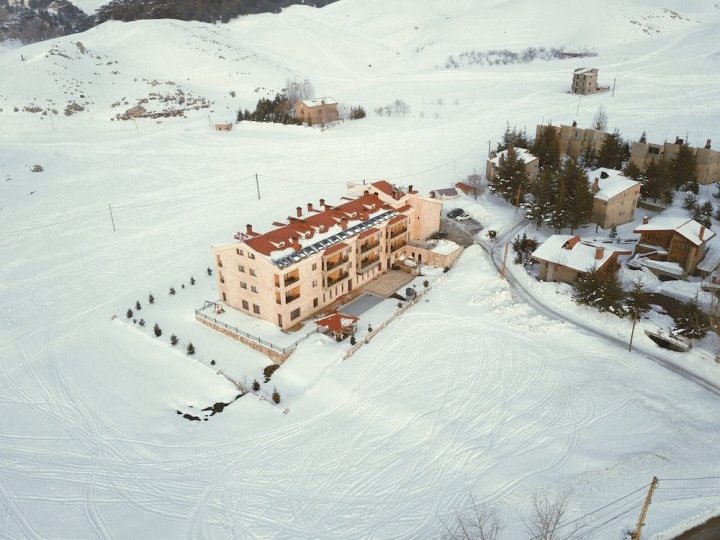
<point x="338" y="325"/>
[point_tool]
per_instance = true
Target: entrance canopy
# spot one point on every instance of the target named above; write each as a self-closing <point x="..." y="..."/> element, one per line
<point x="339" y="323"/>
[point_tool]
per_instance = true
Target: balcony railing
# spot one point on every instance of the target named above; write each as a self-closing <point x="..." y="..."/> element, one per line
<point x="289" y="280"/>
<point x="291" y="298"/>
<point x="397" y="245"/>
<point x="367" y="264"/>
<point x="398" y="232"/>
<point x="329" y="282"/>
<point x="369" y="247"/>
<point x="334" y="264"/>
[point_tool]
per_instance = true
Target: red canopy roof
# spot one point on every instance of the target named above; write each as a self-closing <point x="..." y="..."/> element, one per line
<point x="337" y="322"/>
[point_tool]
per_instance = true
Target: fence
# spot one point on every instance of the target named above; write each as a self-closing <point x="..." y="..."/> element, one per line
<point x="352" y="350"/>
<point x="282" y="353"/>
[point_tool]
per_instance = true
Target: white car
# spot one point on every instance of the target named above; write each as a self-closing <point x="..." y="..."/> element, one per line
<point x="462" y="217"/>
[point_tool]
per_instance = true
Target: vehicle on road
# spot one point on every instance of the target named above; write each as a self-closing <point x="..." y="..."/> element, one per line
<point x="462" y="217"/>
<point x="455" y="212"/>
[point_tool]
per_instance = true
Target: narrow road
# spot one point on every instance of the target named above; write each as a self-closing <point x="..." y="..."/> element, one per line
<point x="527" y="296"/>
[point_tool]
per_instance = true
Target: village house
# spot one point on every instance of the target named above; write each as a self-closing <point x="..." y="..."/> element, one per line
<point x="531" y="163"/>
<point x="615" y="197"/>
<point x="671" y="245"/>
<point x="708" y="160"/>
<point x="322" y="253"/>
<point x="562" y="257"/>
<point x="317" y="111"/>
<point x="574" y="140"/>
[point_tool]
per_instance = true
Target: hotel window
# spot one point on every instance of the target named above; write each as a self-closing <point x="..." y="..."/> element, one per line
<point x="251" y="255"/>
<point x="256" y="309"/>
<point x="222" y="278"/>
<point x="314" y="266"/>
<point x="253" y="288"/>
<point x="315" y="303"/>
<point x="245" y="304"/>
<point x="241" y="268"/>
<point x="314" y="282"/>
<point x="243" y="285"/>
<point x="252" y="272"/>
<point x="294" y="314"/>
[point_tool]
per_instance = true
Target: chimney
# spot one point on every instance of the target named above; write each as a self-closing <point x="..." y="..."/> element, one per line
<point x="299" y="211"/>
<point x="322" y="202"/>
<point x="574" y="123"/>
<point x="702" y="232"/>
<point x="595" y="186"/>
<point x="366" y="192"/>
<point x="410" y="188"/>
<point x="343" y="223"/>
<point x="295" y="244"/>
<point x="678" y="140"/>
<point x="310" y="208"/>
<point x="599" y="252"/>
<point x="248" y="229"/>
<point x="646" y="220"/>
<point x="707" y="145"/>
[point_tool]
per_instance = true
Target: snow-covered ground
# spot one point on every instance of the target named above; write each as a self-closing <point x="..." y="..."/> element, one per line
<point x="472" y="393"/>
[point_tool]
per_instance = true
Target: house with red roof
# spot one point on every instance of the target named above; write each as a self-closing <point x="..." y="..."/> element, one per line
<point x="323" y="252"/>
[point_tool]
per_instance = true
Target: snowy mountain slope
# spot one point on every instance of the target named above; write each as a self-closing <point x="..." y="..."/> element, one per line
<point x="471" y="393"/>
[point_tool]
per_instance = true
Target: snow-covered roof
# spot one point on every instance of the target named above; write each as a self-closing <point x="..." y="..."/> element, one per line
<point x="445" y="193"/>
<point x="445" y="247"/>
<point x="319" y="101"/>
<point x="585" y="70"/>
<point x="521" y="153"/>
<point x="689" y="228"/>
<point x="711" y="261"/>
<point x="611" y="183"/>
<point x="573" y="252"/>
<point x="664" y="266"/>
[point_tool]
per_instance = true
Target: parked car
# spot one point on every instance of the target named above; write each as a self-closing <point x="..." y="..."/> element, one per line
<point x="455" y="212"/>
<point x="462" y="217"/>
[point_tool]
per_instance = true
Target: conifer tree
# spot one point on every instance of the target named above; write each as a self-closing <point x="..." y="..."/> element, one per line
<point x="514" y="137"/>
<point x="510" y="179"/>
<point x="174" y="340"/>
<point x="613" y="151"/>
<point x="129" y="313"/>
<point x="190" y="348"/>
<point x="579" y="198"/>
<point x="637" y="300"/>
<point x="276" y="396"/>
<point x="541" y="204"/>
<point x="151" y="299"/>
<point x="547" y="148"/>
<point x="683" y="168"/>
<point x="692" y="323"/>
<point x="255" y="385"/>
<point x="157" y="330"/>
<point x="137" y="305"/>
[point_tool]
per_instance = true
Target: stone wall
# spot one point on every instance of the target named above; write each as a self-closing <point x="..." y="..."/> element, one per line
<point x="276" y="356"/>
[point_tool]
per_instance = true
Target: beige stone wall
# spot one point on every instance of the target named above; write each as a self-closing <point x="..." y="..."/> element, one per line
<point x="531" y="168"/>
<point x="574" y="140"/>
<point x="708" y="160"/>
<point x="320" y="114"/>
<point x="425" y="221"/>
<point x="617" y="210"/>
<point x="584" y="83"/>
<point x="276" y="356"/>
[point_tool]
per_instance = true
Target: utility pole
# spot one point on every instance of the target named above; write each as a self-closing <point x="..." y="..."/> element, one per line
<point x="52" y="123"/>
<point x="489" y="140"/>
<point x="613" y="93"/>
<point x="257" y="185"/>
<point x="632" y="332"/>
<point x="517" y="206"/>
<point x="111" y="217"/>
<point x="646" y="505"/>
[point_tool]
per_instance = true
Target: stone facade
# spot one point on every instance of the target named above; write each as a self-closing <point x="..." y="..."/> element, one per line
<point x="575" y="140"/>
<point x="708" y="160"/>
<point x="299" y="268"/>
<point x="317" y="111"/>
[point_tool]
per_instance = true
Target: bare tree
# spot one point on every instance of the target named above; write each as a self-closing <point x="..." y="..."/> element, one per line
<point x="481" y="522"/>
<point x="600" y="119"/>
<point x="475" y="182"/>
<point x="545" y="522"/>
<point x="298" y="90"/>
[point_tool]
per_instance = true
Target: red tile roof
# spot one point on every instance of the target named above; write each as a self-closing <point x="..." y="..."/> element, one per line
<point x="338" y="322"/>
<point x="386" y="187"/>
<point x="289" y="235"/>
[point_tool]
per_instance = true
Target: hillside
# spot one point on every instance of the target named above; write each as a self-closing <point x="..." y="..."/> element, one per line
<point x="471" y="394"/>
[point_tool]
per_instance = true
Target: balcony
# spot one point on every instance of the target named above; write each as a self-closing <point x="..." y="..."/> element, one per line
<point x="397" y="245"/>
<point x="331" y="281"/>
<point x="397" y="232"/>
<point x="331" y="265"/>
<point x="289" y="280"/>
<point x="365" y="248"/>
<point x="289" y="298"/>
<point x="367" y="264"/>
